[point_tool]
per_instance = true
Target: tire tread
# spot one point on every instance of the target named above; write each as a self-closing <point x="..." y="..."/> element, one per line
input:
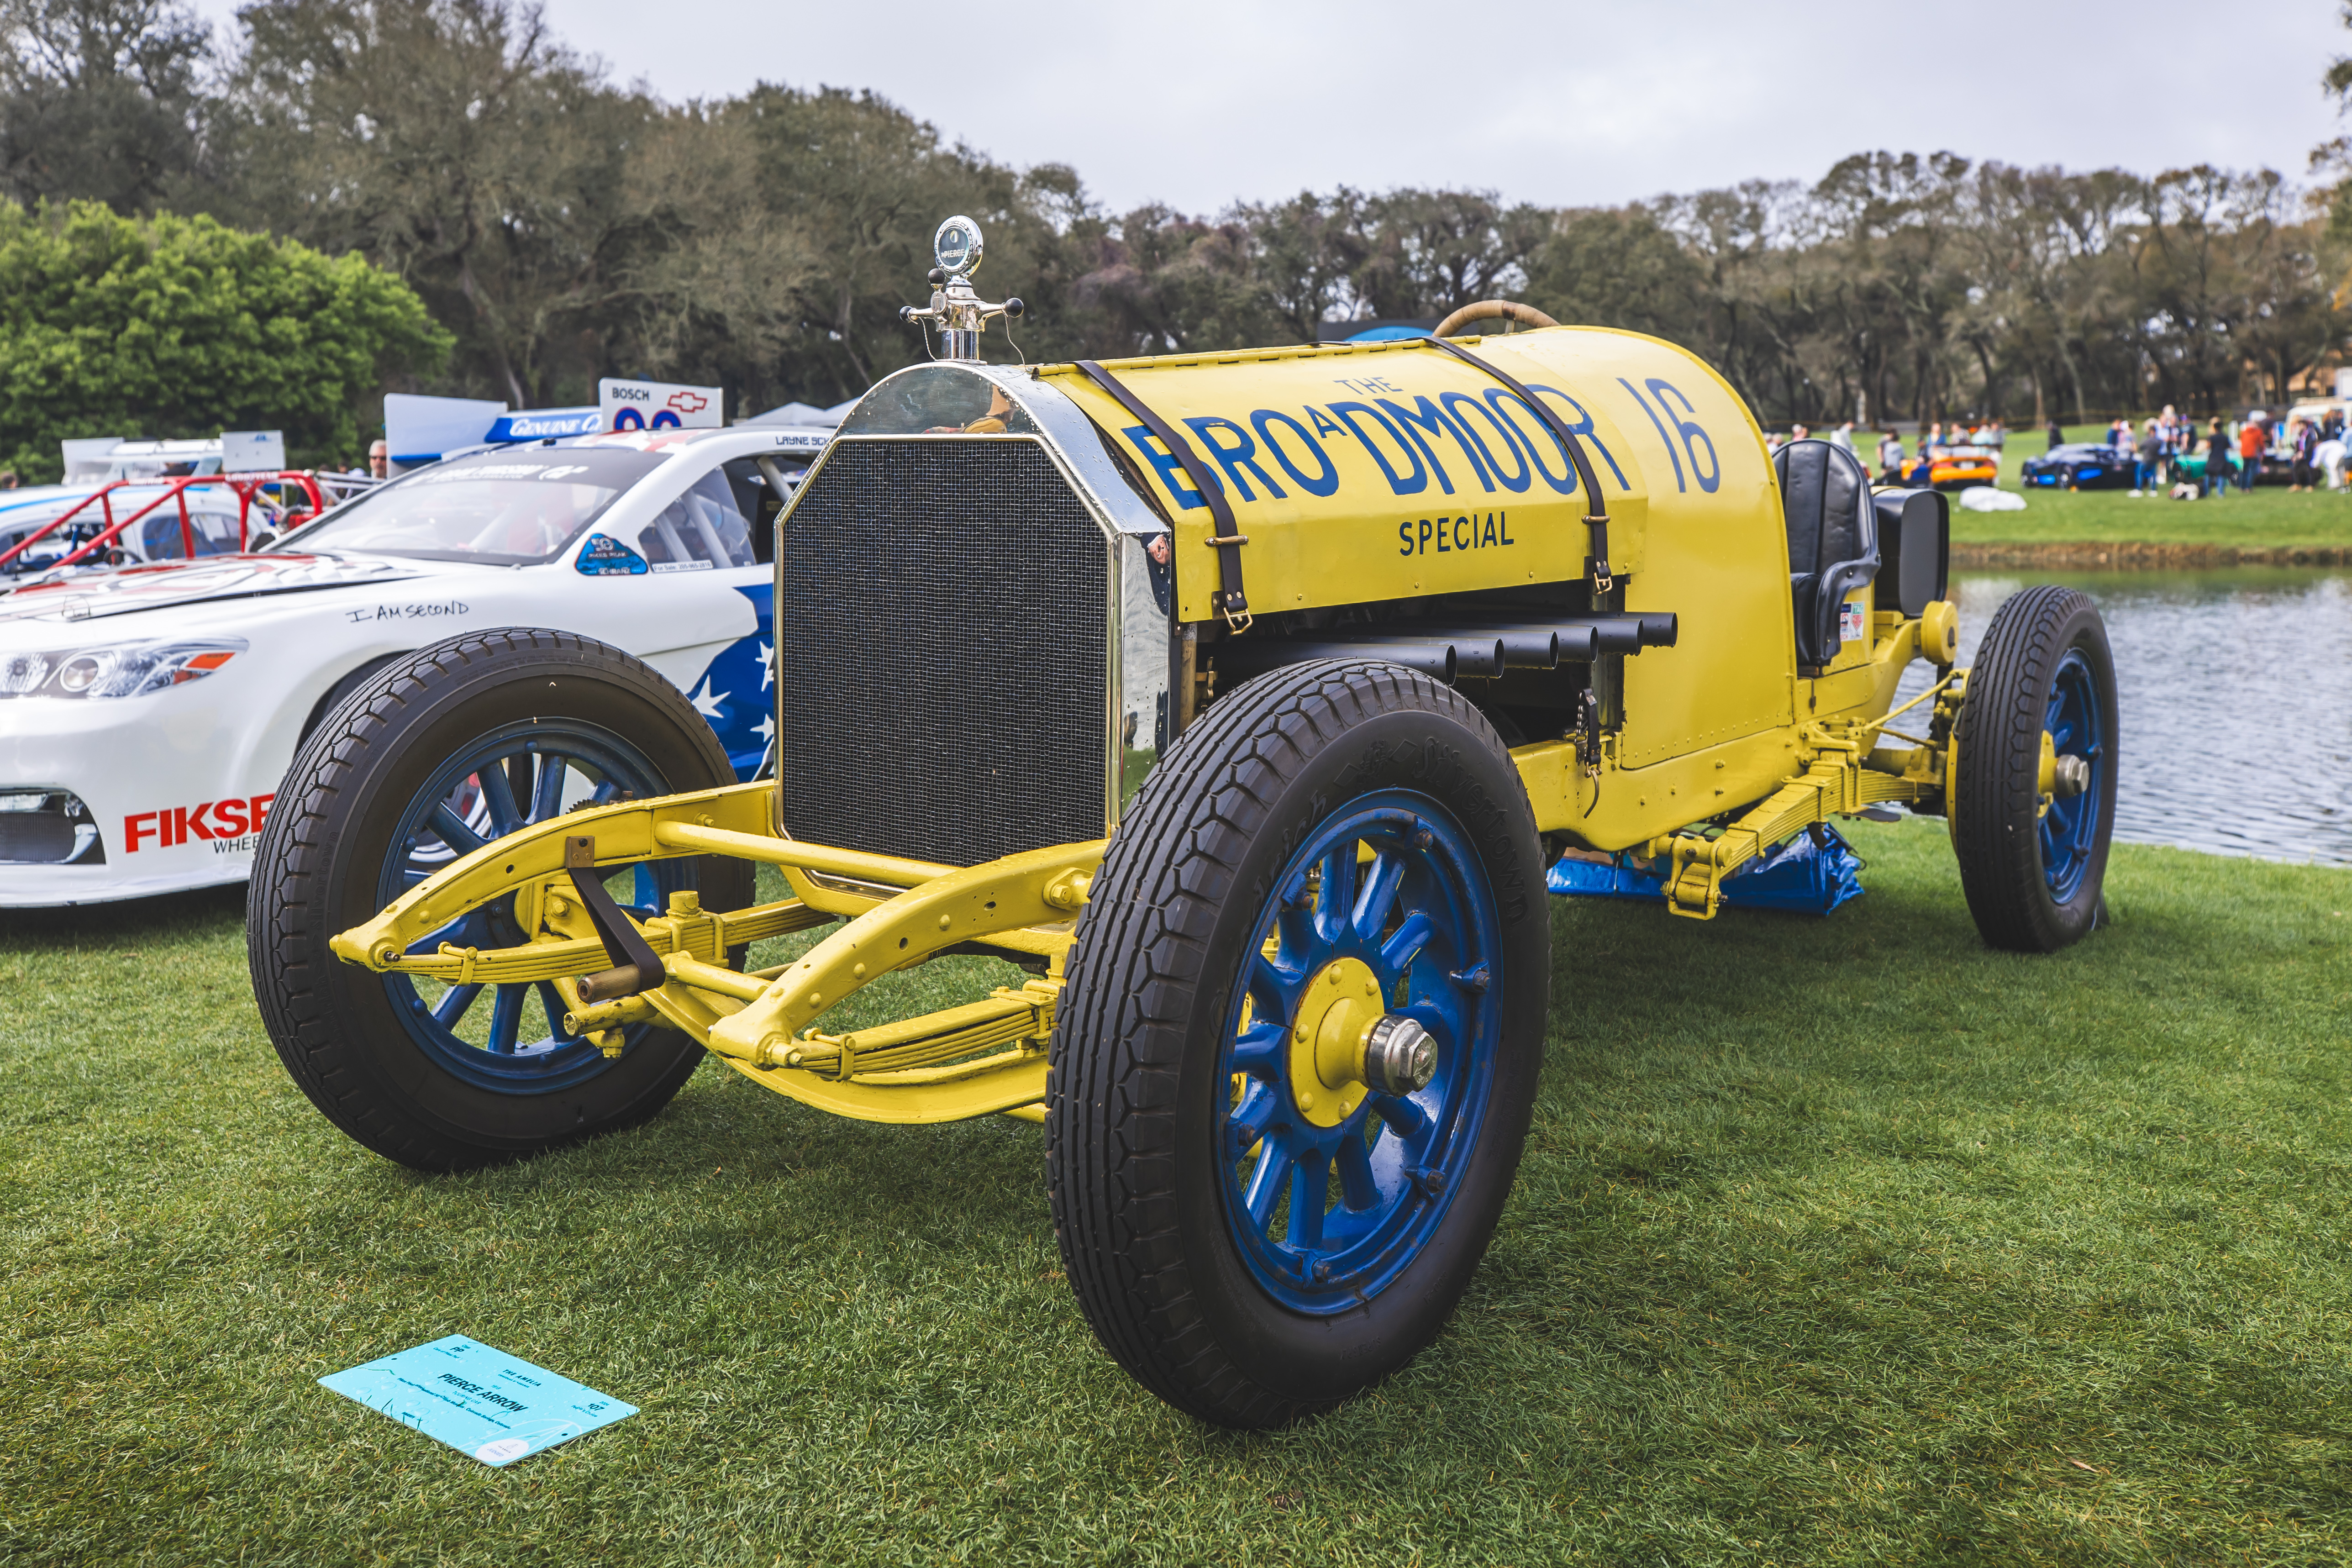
<point x="1119" y="1040"/>
<point x="293" y="862"/>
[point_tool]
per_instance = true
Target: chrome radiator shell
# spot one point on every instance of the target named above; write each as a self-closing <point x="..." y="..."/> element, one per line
<point x="974" y="650"/>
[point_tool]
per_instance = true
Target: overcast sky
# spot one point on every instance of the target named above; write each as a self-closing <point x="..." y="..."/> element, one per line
<point x="1562" y="104"/>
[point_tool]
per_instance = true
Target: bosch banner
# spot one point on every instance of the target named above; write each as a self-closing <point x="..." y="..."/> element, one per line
<point x="656" y="406"/>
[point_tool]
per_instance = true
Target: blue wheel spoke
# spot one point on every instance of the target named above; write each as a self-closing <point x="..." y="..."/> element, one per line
<point x="506" y="1017"/>
<point x="1273" y="990"/>
<point x="1409" y="938"/>
<point x="552" y="1000"/>
<point x="1258" y="1049"/>
<point x="1297" y="941"/>
<point x="1379" y="895"/>
<point x="1403" y="1117"/>
<point x="498" y="796"/>
<point x="1428" y="1012"/>
<point x="1336" y="902"/>
<point x="1308" y="1179"/>
<point x="454" y="831"/>
<point x="1266" y="1183"/>
<point x="1247" y="1123"/>
<point x="452" y="1005"/>
<point x="547" y="800"/>
<point x="645" y="890"/>
<point x="1357" y="1190"/>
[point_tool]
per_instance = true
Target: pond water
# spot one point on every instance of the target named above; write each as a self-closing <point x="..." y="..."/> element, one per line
<point x="2236" y="695"/>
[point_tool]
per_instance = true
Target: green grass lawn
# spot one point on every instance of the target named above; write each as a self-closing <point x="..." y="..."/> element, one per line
<point x="2269" y="518"/>
<point x="1838" y="1240"/>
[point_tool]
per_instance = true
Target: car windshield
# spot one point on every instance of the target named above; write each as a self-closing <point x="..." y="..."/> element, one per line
<point x="501" y="509"/>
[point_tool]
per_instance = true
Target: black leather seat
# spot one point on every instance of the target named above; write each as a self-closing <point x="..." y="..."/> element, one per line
<point x="1833" y="539"/>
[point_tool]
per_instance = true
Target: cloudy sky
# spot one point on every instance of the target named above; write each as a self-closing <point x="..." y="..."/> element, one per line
<point x="1564" y="103"/>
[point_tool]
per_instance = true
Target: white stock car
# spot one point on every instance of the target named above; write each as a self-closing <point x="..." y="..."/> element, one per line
<point x="147" y="713"/>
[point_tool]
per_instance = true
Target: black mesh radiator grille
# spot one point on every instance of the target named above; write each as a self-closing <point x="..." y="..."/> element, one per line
<point x="940" y="661"/>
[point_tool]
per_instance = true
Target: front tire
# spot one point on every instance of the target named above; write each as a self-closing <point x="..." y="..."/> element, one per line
<point x="2033" y="865"/>
<point x="1253" y="1232"/>
<point x="435" y="754"/>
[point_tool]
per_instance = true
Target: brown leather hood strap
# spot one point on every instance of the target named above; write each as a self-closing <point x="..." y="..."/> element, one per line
<point x="1230" y="601"/>
<point x="1596" y="508"/>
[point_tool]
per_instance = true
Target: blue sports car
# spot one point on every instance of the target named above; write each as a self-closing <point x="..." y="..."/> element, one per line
<point x="2080" y="465"/>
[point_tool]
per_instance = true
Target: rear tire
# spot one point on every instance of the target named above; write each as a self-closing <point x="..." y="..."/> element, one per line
<point x="1191" y="1180"/>
<point x="2034" y="875"/>
<point x="510" y="717"/>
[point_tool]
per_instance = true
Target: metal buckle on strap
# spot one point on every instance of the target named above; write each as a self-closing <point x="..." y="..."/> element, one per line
<point x="1601" y="579"/>
<point x="1598" y="520"/>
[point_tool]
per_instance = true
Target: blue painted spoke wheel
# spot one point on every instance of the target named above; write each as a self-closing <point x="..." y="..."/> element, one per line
<point x="2073" y="822"/>
<point x="436" y="755"/>
<point x="2033" y="796"/>
<point x="1295" y="1061"/>
<point x="1339" y="1172"/>
<point x="510" y="1037"/>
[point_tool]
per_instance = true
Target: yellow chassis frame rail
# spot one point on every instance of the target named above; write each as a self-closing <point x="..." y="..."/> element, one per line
<point x="987" y="1056"/>
<point x="1845" y="773"/>
<point x="962" y="1062"/>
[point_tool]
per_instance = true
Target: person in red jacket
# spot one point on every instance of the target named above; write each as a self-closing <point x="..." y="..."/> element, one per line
<point x="2254" y="440"/>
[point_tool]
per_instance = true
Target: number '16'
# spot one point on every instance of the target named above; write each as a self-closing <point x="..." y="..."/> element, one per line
<point x="1693" y="436"/>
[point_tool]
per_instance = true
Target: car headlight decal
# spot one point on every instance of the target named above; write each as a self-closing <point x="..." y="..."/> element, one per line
<point x="132" y="671"/>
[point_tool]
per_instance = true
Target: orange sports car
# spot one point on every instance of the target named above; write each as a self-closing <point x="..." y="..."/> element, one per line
<point x="1957" y="468"/>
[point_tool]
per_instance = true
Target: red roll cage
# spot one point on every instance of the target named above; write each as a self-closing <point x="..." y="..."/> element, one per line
<point x="246" y="487"/>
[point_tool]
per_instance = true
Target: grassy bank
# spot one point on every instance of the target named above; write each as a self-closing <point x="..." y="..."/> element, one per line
<point x="2183" y="533"/>
<point x="2268" y="520"/>
<point x="1838" y="1241"/>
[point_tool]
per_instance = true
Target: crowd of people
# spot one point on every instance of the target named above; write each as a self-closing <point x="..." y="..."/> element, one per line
<point x="2232" y="456"/>
<point x="2229" y="455"/>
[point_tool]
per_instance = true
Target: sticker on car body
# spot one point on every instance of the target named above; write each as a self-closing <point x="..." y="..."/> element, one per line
<point x="1852" y="622"/>
<point x="605" y="556"/>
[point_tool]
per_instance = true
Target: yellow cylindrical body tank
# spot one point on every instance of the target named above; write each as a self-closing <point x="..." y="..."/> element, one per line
<point x="1364" y="474"/>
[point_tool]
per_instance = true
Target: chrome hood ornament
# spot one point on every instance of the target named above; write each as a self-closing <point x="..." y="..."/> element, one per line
<point x="957" y="308"/>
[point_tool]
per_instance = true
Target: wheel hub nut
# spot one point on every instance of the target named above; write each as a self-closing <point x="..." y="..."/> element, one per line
<point x="1399" y="1056"/>
<point x="2070" y="777"/>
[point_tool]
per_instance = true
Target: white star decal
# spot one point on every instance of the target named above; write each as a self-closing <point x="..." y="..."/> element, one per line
<point x="767" y="664"/>
<point x="705" y="703"/>
<point x="765" y="729"/>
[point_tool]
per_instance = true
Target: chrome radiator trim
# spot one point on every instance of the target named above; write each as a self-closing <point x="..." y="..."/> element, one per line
<point x="1134" y="632"/>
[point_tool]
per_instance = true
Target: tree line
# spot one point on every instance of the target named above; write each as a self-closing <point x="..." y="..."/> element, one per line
<point x="557" y="227"/>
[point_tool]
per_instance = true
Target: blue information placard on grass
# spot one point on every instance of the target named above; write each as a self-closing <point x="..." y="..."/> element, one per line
<point x="479" y="1400"/>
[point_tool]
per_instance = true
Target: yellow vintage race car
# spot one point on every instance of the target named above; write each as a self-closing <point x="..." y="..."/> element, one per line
<point x="1241" y="699"/>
